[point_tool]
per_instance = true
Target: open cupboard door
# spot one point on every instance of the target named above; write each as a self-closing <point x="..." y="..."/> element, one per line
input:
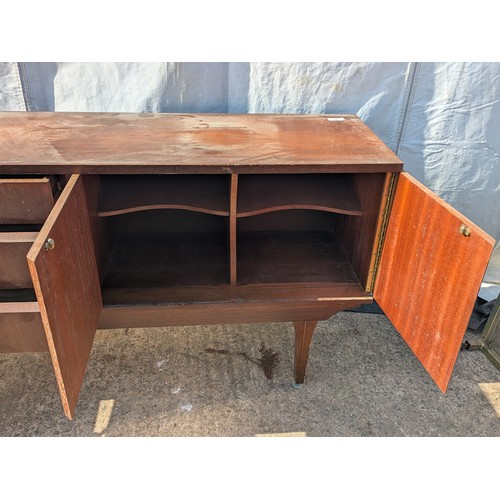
<point x="430" y="271"/>
<point x="63" y="268"/>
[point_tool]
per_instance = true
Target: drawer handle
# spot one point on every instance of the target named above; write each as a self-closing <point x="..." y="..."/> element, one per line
<point x="50" y="244"/>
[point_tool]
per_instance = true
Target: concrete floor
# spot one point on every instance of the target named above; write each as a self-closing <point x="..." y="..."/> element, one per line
<point x="235" y="380"/>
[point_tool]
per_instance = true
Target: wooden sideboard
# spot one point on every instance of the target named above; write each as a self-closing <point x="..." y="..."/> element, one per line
<point x="114" y="220"/>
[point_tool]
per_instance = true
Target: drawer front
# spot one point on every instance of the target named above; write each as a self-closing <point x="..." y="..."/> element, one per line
<point x="25" y="201"/>
<point x="21" y="328"/>
<point x="14" y="271"/>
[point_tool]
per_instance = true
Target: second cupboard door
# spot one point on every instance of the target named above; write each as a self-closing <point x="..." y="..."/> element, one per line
<point x="430" y="271"/>
<point x="64" y="272"/>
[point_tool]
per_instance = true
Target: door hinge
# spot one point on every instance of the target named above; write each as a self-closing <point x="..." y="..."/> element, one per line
<point x="385" y="221"/>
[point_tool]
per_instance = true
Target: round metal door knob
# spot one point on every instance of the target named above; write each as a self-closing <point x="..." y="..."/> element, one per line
<point x="465" y="230"/>
<point x="49" y="244"/>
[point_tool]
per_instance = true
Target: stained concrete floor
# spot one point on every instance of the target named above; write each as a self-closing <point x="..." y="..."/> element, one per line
<point x="235" y="380"/>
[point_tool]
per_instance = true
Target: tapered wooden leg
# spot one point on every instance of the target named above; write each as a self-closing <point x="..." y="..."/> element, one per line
<point x="303" y="335"/>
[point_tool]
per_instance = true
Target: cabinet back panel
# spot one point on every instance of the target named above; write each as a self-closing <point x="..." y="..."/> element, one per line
<point x="292" y="257"/>
<point x="153" y="260"/>
<point x="268" y="193"/>
<point x="98" y="225"/>
<point x="289" y="220"/>
<point x="166" y="221"/>
<point x="133" y="193"/>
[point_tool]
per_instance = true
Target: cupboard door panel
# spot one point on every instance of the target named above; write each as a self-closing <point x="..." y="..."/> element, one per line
<point x="67" y="287"/>
<point x="429" y="274"/>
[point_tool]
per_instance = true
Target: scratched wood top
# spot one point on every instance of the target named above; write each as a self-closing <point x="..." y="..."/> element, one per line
<point x="243" y="141"/>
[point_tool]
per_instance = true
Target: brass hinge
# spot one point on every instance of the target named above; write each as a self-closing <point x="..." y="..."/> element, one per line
<point x="383" y="229"/>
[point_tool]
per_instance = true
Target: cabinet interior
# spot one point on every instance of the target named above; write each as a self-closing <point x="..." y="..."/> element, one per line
<point x="167" y="248"/>
<point x="157" y="232"/>
<point x="15" y="280"/>
<point x="213" y="230"/>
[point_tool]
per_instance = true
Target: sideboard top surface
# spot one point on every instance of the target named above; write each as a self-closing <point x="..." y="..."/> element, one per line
<point x="118" y="142"/>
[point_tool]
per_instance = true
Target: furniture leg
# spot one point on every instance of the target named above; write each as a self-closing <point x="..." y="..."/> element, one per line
<point x="303" y="335"/>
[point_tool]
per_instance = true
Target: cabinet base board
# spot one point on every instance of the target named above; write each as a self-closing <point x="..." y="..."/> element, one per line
<point x="233" y="312"/>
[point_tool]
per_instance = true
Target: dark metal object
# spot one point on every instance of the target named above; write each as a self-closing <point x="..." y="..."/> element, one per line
<point x="489" y="343"/>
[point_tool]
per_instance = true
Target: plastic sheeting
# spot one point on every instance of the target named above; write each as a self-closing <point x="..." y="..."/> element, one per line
<point x="442" y="119"/>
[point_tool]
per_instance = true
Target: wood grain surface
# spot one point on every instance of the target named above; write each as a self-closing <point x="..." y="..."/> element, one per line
<point x="229" y="248"/>
<point x="271" y="292"/>
<point x="98" y="225"/>
<point x="163" y="259"/>
<point x="21" y="328"/>
<point x="358" y="235"/>
<point x="232" y="226"/>
<point x="304" y="331"/>
<point x="14" y="247"/>
<point x="292" y="257"/>
<point x="131" y="193"/>
<point x="24" y="201"/>
<point x="257" y="311"/>
<point x="198" y="141"/>
<point x="259" y="194"/>
<point x="67" y="286"/>
<point x="429" y="275"/>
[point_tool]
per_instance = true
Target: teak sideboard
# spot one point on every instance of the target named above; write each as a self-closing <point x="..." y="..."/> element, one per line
<point x="112" y="220"/>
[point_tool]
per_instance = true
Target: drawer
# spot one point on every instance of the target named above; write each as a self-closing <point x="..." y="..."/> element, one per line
<point x="21" y="328"/>
<point x="25" y="201"/>
<point x="14" y="247"/>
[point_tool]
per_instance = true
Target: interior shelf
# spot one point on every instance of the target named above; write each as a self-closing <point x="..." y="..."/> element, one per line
<point x="292" y="257"/>
<point x="291" y="241"/>
<point x="168" y="259"/>
<point x="228" y="293"/>
<point x="129" y="193"/>
<point x="258" y="194"/>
